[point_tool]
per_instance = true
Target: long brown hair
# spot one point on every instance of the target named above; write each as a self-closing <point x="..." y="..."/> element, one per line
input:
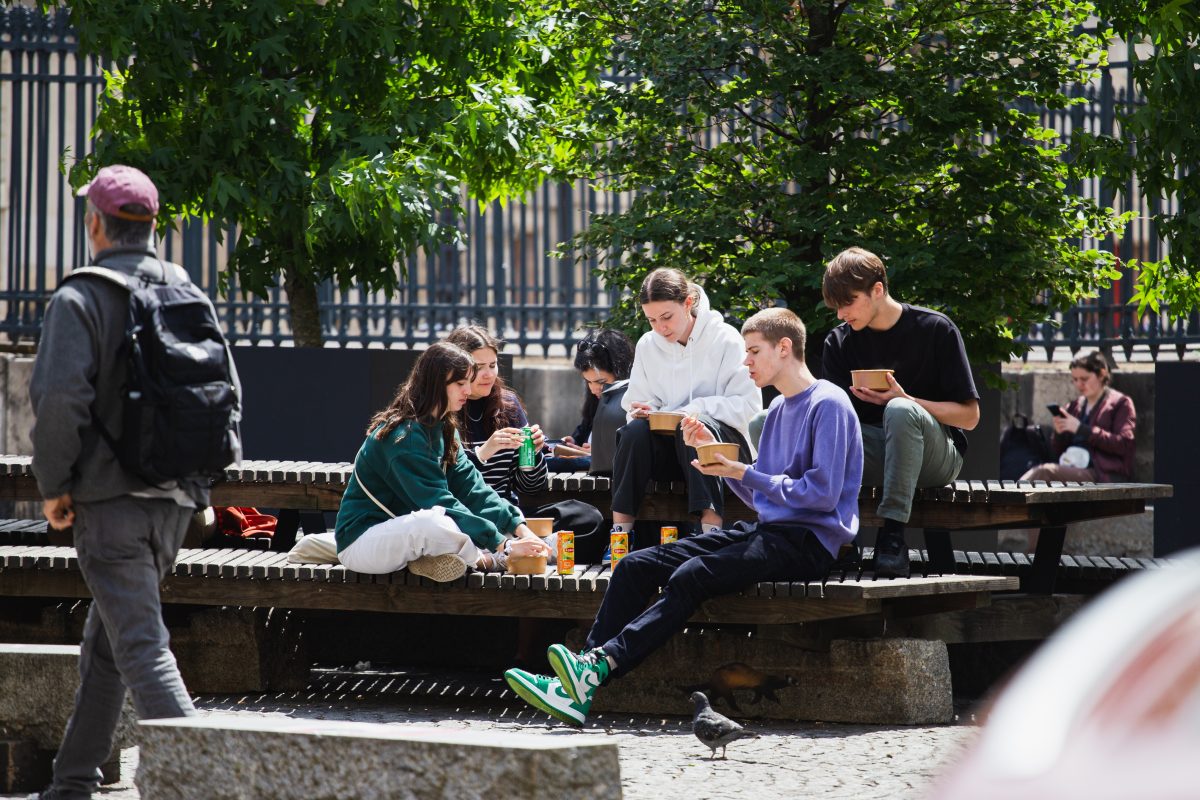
<point x="422" y="398"/>
<point x="499" y="408"/>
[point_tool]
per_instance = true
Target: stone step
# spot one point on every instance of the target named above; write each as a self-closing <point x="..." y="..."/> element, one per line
<point x="37" y="695"/>
<point x="229" y="755"/>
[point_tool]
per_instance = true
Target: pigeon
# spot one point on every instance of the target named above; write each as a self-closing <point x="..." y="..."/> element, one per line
<point x="713" y="729"/>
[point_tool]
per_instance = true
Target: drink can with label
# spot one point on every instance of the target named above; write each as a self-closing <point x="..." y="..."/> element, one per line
<point x="618" y="546"/>
<point x="668" y="534"/>
<point x="526" y="455"/>
<point x="566" y="552"/>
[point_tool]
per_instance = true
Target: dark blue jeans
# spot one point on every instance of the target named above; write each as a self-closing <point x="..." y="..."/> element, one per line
<point x="691" y="571"/>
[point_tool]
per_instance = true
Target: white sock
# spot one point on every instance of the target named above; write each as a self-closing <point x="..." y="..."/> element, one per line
<point x="709" y="528"/>
<point x="622" y="527"/>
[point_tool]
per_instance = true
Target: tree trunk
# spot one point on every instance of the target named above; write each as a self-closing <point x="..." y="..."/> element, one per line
<point x="303" y="310"/>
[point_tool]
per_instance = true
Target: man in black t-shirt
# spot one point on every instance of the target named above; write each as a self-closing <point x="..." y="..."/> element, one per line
<point x="913" y="432"/>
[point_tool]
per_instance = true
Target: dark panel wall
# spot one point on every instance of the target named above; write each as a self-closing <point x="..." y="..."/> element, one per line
<point x="314" y="404"/>
<point x="1176" y="386"/>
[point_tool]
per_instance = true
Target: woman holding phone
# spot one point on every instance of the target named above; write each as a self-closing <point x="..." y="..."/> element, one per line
<point x="1094" y="434"/>
<point x="414" y="499"/>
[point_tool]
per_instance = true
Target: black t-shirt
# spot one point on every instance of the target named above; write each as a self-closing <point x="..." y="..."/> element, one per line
<point x="924" y="348"/>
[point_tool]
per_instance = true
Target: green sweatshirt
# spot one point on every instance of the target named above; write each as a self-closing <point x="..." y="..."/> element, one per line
<point x="404" y="472"/>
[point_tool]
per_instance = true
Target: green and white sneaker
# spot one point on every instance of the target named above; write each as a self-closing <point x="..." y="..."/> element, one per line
<point x="547" y="694"/>
<point x="580" y="674"/>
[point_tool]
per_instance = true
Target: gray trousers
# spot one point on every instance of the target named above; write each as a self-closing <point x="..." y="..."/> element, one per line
<point x="910" y="451"/>
<point x="126" y="546"/>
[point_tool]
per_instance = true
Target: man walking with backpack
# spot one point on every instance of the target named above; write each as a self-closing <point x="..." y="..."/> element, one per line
<point x="128" y="522"/>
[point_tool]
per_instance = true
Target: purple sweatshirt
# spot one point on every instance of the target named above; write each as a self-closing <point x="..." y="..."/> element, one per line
<point x="809" y="468"/>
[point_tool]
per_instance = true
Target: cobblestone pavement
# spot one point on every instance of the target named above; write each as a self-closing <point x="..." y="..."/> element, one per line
<point x="660" y="758"/>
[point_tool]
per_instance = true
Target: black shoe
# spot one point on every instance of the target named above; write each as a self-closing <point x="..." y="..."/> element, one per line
<point x="891" y="556"/>
<point x="849" y="559"/>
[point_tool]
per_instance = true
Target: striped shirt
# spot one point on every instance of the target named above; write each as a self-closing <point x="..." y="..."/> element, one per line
<point x="501" y="471"/>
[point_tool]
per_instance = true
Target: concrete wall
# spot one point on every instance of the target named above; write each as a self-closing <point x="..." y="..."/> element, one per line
<point x="16" y="412"/>
<point x="553" y="394"/>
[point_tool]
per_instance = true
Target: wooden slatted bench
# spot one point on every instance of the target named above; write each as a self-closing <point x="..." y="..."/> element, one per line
<point x="258" y="578"/>
<point x="297" y="487"/>
<point x="960" y="506"/>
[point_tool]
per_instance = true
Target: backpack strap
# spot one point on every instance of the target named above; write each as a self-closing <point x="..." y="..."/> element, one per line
<point x="110" y="275"/>
<point x="172" y="274"/>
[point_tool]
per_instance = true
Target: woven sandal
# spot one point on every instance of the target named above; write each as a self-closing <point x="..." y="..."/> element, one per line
<point x="442" y="569"/>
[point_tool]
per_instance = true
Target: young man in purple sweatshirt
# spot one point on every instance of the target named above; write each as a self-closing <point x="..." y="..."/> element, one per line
<point x="804" y="487"/>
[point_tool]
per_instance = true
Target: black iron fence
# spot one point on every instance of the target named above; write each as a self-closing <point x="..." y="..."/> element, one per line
<point x="504" y="276"/>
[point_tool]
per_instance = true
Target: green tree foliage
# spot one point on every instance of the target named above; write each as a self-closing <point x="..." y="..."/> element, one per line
<point x="1158" y="147"/>
<point x="336" y="134"/>
<point x="761" y="137"/>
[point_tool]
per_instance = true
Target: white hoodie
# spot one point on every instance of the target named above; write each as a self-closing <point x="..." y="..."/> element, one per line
<point x="707" y="377"/>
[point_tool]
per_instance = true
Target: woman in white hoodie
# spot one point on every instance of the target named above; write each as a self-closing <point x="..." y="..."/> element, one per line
<point x="690" y="361"/>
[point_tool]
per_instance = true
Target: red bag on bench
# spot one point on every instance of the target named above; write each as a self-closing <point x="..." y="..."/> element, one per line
<point x="243" y="523"/>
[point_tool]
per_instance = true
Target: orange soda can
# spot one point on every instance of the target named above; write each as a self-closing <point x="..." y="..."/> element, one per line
<point x="668" y="534"/>
<point x="618" y="546"/>
<point x="566" y="552"/>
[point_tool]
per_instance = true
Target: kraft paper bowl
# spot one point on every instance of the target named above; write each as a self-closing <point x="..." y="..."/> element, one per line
<point x="665" y="421"/>
<point x="527" y="565"/>
<point x="871" y="378"/>
<point x="707" y="453"/>
<point x="542" y="526"/>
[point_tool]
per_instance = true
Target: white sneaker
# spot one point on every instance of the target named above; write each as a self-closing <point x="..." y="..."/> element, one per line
<point x="443" y="569"/>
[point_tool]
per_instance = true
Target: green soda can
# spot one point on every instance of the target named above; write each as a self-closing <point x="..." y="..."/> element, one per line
<point x="526" y="456"/>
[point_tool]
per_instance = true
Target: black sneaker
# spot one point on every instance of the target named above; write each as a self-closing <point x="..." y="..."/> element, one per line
<point x="891" y="555"/>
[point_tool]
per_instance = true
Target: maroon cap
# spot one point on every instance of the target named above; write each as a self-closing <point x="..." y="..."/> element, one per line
<point x="120" y="185"/>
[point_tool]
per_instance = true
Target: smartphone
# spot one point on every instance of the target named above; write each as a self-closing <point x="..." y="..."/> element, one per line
<point x="1055" y="410"/>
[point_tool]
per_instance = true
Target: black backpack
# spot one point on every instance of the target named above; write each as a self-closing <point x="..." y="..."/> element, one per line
<point x="1022" y="446"/>
<point x="180" y="406"/>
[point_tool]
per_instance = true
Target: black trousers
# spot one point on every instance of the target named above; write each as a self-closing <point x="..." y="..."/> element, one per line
<point x="689" y="572"/>
<point x="585" y="520"/>
<point x="643" y="455"/>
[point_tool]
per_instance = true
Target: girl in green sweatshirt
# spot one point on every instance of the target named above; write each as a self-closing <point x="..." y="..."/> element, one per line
<point x="415" y="500"/>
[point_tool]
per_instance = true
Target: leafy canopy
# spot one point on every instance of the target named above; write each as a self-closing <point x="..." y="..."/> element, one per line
<point x="336" y="134"/>
<point x="1157" y="149"/>
<point x="760" y="137"/>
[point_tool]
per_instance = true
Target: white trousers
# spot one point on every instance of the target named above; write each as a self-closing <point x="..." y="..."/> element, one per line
<point x="390" y="545"/>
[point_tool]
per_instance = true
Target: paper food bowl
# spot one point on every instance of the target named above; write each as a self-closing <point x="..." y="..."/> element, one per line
<point x="527" y="565"/>
<point x="707" y="453"/>
<point x="542" y="526"/>
<point x="871" y="378"/>
<point x="665" y="421"/>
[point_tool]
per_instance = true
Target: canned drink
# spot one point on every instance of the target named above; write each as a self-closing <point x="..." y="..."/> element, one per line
<point x="668" y="534"/>
<point x="566" y="552"/>
<point x="526" y="456"/>
<point x="618" y="546"/>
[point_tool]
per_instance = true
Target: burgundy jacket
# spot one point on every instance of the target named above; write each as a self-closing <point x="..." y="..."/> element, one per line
<point x="1108" y="434"/>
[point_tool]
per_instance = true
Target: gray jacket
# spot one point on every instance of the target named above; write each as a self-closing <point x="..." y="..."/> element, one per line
<point x="79" y="368"/>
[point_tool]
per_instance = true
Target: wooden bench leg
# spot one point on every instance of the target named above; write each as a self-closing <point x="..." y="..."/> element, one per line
<point x="286" y="526"/>
<point x="1040" y="579"/>
<point x="941" y="554"/>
